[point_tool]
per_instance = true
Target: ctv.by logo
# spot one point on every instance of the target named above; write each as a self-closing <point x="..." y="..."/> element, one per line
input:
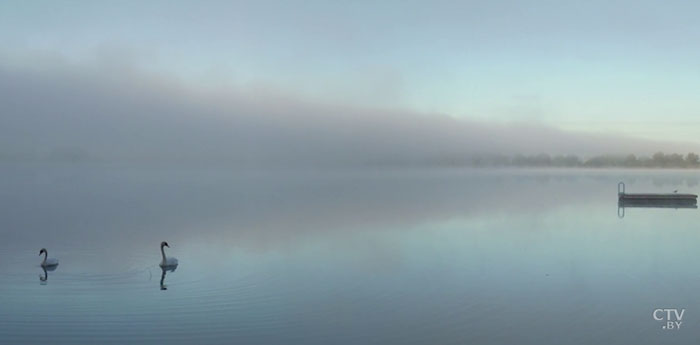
<point x="672" y="317"/>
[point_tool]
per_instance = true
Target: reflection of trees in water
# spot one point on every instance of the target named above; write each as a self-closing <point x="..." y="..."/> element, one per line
<point x="660" y="181"/>
<point x="663" y="178"/>
<point x="283" y="209"/>
<point x="657" y="179"/>
<point x="657" y="160"/>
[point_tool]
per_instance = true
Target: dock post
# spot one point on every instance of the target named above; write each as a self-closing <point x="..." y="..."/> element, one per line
<point x="621" y="191"/>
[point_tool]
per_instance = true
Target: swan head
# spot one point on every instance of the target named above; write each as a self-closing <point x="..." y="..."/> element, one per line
<point x="42" y="251"/>
<point x="164" y="244"/>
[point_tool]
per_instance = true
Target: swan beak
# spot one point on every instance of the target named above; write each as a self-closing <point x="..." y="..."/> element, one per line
<point x="167" y="245"/>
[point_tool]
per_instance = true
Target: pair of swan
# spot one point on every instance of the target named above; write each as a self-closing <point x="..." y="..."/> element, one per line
<point x="168" y="262"/>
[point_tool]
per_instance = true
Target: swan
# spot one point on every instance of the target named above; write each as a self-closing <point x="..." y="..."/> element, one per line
<point x="48" y="262"/>
<point x="167" y="261"/>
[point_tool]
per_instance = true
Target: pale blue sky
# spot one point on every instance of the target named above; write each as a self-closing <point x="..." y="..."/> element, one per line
<point x="629" y="67"/>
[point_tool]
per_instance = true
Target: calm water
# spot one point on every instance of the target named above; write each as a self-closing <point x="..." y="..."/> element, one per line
<point x="447" y="257"/>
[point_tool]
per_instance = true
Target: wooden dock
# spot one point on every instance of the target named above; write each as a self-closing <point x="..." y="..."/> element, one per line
<point x="668" y="199"/>
<point x="658" y="203"/>
<point x="658" y="197"/>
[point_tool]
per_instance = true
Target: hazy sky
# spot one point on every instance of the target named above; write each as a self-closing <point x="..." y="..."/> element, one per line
<point x="606" y="67"/>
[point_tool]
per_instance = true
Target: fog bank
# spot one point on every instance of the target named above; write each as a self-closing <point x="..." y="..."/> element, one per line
<point x="60" y="111"/>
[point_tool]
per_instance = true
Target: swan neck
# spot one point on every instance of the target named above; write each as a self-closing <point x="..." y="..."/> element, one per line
<point x="162" y="251"/>
<point x="46" y="255"/>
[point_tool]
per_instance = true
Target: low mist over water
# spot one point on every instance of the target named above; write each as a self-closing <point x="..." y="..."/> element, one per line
<point x="355" y="172"/>
<point x="395" y="256"/>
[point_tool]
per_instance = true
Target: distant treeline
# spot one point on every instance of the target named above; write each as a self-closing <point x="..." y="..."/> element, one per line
<point x="657" y="160"/>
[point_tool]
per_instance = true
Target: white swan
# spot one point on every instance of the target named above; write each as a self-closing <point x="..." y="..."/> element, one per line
<point x="167" y="261"/>
<point x="48" y="262"/>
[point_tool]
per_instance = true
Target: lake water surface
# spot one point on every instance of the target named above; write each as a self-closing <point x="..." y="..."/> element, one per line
<point x="383" y="257"/>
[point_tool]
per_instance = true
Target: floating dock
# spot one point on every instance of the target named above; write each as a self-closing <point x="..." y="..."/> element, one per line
<point x="655" y="200"/>
<point x="661" y="203"/>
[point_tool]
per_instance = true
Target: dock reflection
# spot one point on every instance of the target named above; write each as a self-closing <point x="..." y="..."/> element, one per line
<point x="646" y="203"/>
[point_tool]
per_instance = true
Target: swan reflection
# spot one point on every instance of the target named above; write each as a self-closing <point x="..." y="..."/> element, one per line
<point x="162" y="276"/>
<point x="44" y="278"/>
